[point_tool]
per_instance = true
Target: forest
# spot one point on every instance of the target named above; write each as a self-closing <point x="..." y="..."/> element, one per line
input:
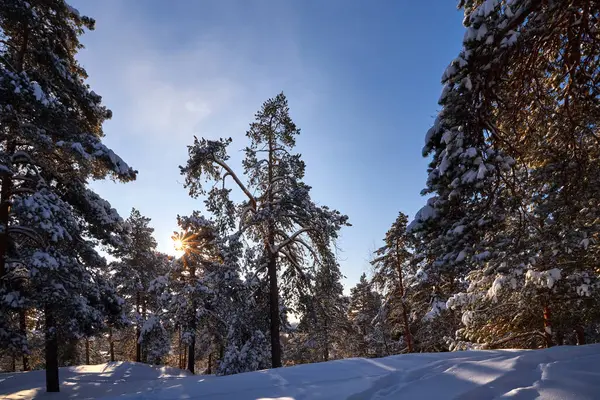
<point x="503" y="254"/>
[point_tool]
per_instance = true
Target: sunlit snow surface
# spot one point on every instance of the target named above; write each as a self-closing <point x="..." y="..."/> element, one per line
<point x="558" y="373"/>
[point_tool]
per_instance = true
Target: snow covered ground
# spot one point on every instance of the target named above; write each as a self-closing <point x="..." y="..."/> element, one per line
<point x="557" y="373"/>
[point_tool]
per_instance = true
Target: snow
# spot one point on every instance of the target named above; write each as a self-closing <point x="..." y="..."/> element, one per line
<point x="563" y="372"/>
<point x="545" y="278"/>
<point x="459" y="229"/>
<point x="583" y="290"/>
<point x="39" y="94"/>
<point x="424" y="214"/>
<point x="436" y="308"/>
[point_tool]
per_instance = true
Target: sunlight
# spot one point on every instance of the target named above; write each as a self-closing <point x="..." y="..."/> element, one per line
<point x="179" y="245"/>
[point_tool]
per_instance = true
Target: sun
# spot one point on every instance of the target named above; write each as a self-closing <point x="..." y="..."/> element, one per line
<point x="178" y="245"/>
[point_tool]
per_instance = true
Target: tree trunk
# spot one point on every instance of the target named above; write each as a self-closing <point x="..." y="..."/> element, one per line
<point x="385" y="345"/>
<point x="52" y="380"/>
<point x="14" y="364"/>
<point x="23" y="330"/>
<point x="181" y="364"/>
<point x="184" y="362"/>
<point x="326" y="334"/>
<point x="192" y="351"/>
<point x="87" y="351"/>
<point x="407" y="334"/>
<point x="547" y="327"/>
<point x="192" y="322"/>
<point x="580" y="335"/>
<point x="274" y="312"/>
<point x="272" y="271"/>
<point x="138" y="345"/>
<point x="209" y="368"/>
<point x="143" y="350"/>
<point x="111" y="344"/>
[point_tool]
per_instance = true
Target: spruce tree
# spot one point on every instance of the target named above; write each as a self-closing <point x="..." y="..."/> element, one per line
<point x="137" y="265"/>
<point x="391" y="263"/>
<point x="364" y="307"/>
<point x="50" y="135"/>
<point x="323" y="325"/>
<point x="509" y="230"/>
<point x="278" y="212"/>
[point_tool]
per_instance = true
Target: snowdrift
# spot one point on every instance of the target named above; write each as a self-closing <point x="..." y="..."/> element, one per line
<point x="563" y="372"/>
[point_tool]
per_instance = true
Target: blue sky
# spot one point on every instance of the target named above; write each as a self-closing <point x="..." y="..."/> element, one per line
<point x="362" y="80"/>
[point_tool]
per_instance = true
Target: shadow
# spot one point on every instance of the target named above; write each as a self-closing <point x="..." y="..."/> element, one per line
<point x="441" y="379"/>
<point x="89" y="382"/>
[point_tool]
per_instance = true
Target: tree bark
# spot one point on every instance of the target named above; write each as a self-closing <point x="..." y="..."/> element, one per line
<point x="138" y="345"/>
<point x="192" y="323"/>
<point x="580" y="335"/>
<point x="407" y="334"/>
<point x="272" y="270"/>
<point x="184" y="357"/>
<point x="548" y="327"/>
<point x="52" y="379"/>
<point x="143" y="349"/>
<point x="274" y="312"/>
<point x="111" y="344"/>
<point x="326" y="334"/>
<point x="87" y="351"/>
<point x="23" y="330"/>
<point x="181" y="364"/>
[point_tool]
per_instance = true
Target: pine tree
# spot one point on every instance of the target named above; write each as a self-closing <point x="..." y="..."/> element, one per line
<point x="278" y="212"/>
<point x="50" y="135"/>
<point x="138" y="264"/>
<point x="391" y="263"/>
<point x="323" y="324"/>
<point x="364" y="307"/>
<point x="519" y="120"/>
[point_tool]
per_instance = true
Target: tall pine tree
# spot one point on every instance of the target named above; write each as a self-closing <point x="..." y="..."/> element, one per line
<point x="391" y="264"/>
<point x="50" y="147"/>
<point x="509" y="229"/>
<point x="278" y="212"/>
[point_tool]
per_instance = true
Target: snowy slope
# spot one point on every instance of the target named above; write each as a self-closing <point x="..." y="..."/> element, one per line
<point x="557" y="373"/>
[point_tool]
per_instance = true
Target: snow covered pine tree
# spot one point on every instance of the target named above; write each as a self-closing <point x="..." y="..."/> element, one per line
<point x="511" y="238"/>
<point x="323" y="327"/>
<point x="137" y="265"/>
<point x="51" y="130"/>
<point x="391" y="263"/>
<point x="365" y="304"/>
<point x="280" y="214"/>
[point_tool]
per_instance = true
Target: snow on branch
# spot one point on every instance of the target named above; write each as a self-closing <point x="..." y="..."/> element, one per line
<point x="289" y="240"/>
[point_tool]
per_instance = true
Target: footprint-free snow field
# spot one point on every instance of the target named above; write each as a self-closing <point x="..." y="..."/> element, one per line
<point x="558" y="373"/>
